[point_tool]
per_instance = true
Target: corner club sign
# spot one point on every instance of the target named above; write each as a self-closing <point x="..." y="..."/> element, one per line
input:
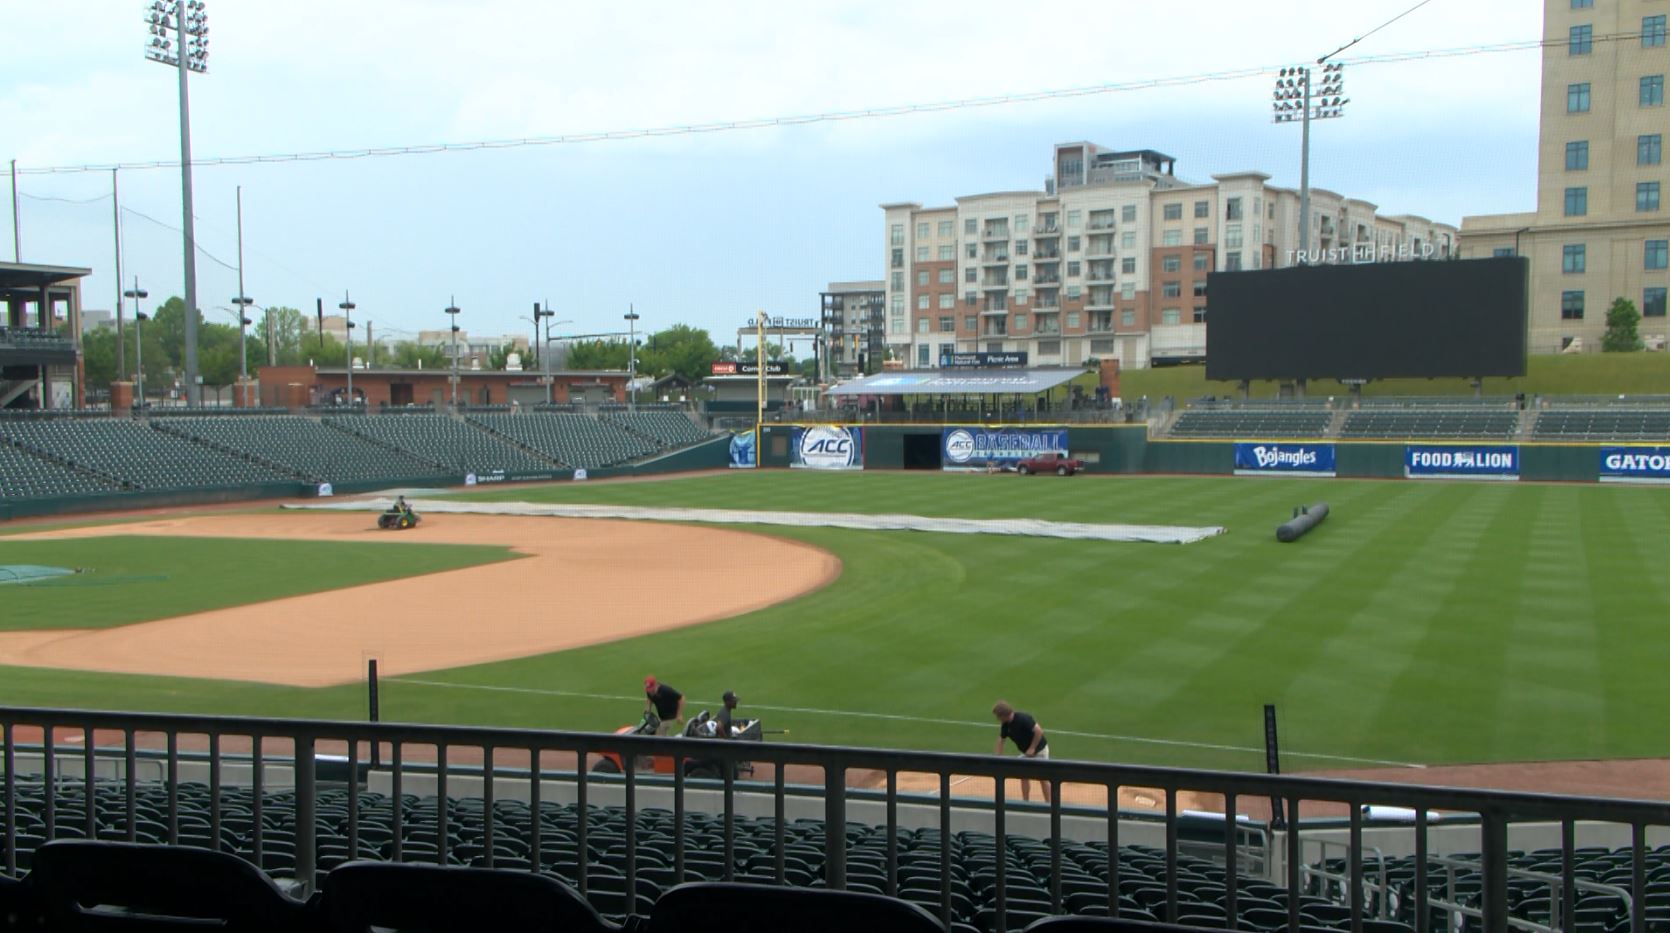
<point x="827" y="447"/>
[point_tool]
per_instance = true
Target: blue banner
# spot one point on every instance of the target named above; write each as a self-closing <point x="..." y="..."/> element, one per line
<point x="1635" y="464"/>
<point x="1461" y="461"/>
<point x="978" y="448"/>
<point x="1284" y="459"/>
<point x="742" y="450"/>
<point x="827" y="447"/>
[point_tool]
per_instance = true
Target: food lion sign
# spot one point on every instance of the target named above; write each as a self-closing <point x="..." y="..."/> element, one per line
<point x="827" y="447"/>
<point x="1635" y="464"/>
<point x="1284" y="459"/>
<point x="1460" y="462"/>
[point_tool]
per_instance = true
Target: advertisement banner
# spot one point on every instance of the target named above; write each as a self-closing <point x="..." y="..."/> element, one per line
<point x="978" y="448"/>
<point x="1635" y="464"/>
<point x="1284" y="459"/>
<point x="827" y="447"/>
<point x="1484" y="461"/>
<point x="742" y="450"/>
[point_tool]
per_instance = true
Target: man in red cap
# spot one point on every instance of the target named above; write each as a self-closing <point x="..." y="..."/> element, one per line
<point x="667" y="703"/>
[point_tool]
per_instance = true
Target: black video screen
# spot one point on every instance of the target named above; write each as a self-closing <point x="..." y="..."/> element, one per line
<point x="1464" y="317"/>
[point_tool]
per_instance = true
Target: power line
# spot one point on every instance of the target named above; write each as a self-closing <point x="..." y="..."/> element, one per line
<point x="836" y="116"/>
<point x="206" y="254"/>
<point x="43" y="197"/>
<point x="1372" y="31"/>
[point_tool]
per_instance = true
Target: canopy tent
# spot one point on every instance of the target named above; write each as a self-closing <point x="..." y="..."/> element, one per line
<point x="976" y="382"/>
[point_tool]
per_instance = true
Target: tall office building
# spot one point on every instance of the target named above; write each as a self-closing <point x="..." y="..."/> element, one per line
<point x="1599" y="231"/>
<point x="1109" y="261"/>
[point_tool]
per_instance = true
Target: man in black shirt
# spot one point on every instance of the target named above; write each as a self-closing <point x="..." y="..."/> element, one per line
<point x="1028" y="736"/>
<point x="726" y="714"/>
<point x="667" y="703"/>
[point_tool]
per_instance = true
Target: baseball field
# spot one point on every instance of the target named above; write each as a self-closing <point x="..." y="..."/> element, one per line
<point x="1423" y="623"/>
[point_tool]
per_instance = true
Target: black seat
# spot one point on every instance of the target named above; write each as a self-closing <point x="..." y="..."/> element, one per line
<point x="714" y="907"/>
<point x="1105" y="925"/>
<point x="360" y="895"/>
<point x="129" y="886"/>
<point x="18" y="910"/>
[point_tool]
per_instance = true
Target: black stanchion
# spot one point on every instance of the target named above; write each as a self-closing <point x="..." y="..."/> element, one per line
<point x="371" y="684"/>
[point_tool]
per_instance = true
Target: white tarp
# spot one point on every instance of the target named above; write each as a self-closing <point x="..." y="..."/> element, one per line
<point x="1030" y="527"/>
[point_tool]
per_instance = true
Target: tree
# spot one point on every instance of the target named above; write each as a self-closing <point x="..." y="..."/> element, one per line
<point x="499" y="356"/>
<point x="682" y="349"/>
<point x="411" y="355"/>
<point x="1621" y="335"/>
<point x="597" y="354"/>
<point x="289" y="326"/>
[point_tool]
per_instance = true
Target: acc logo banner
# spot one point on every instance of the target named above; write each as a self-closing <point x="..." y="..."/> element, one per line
<point x="742" y="451"/>
<point x="974" y="448"/>
<point x="1485" y="462"/>
<point x="1284" y="459"/>
<point x="828" y="447"/>
<point x="1635" y="464"/>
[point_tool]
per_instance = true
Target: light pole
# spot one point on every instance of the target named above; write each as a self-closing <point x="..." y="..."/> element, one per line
<point x="347" y="308"/>
<point x="452" y="310"/>
<point x="631" y="358"/>
<point x="137" y="293"/>
<point x="185" y="18"/>
<point x="1293" y="100"/>
<point x="243" y="302"/>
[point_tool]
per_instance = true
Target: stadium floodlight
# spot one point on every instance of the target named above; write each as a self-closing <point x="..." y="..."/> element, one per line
<point x="631" y="358"/>
<point x="186" y="52"/>
<point x="347" y="308"/>
<point x="1293" y="102"/>
<point x="137" y="293"/>
<point x="452" y="310"/>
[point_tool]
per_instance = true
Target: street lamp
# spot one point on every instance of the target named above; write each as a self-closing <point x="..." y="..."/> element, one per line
<point x="631" y="358"/>
<point x="452" y="309"/>
<point x="347" y="308"/>
<point x="1293" y="100"/>
<point x="184" y="18"/>
<point x="137" y="293"/>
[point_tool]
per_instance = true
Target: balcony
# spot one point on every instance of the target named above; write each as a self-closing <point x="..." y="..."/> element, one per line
<point x="1046" y="230"/>
<point x="1100" y="225"/>
<point x="991" y="309"/>
<point x="1101" y="325"/>
<point x="995" y="260"/>
<point x="995" y="233"/>
<point x="1043" y="279"/>
<point x="1095" y="276"/>
<point x="1044" y="254"/>
<point x="1040" y="307"/>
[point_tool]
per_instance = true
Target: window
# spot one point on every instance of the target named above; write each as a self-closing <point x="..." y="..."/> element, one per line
<point x="1020" y="322"/>
<point x="1201" y="209"/>
<point x="1656" y="254"/>
<point x="1200" y="314"/>
<point x="971" y="323"/>
<point x="1652" y="302"/>
<point x="1020" y="273"/>
<point x="947" y="253"/>
<point x="971" y="274"/>
<point x="1171" y="316"/>
<point x="1049" y="348"/>
<point x="1577" y="155"/>
<point x="898" y="281"/>
<point x="1232" y="262"/>
<point x="921" y="302"/>
<point x="971" y="226"/>
<point x="1173" y="211"/>
<point x="972" y="251"/>
<point x="1073" y="293"/>
<point x="1171" y="238"/>
<point x="1232" y="209"/>
<point x="1577" y="202"/>
<point x="1020" y="223"/>
<point x="1646" y="196"/>
<point x="1128" y="265"/>
<point x="1073" y="268"/>
<point x="1574" y="258"/>
<point x="1582" y="4"/>
<point x="921" y="254"/>
<point x="1072" y="244"/>
<point x="1652" y="91"/>
<point x="1128" y="240"/>
<point x="1232" y="236"/>
<point x="1171" y="264"/>
<point x="1127" y="319"/>
<point x="947" y="276"/>
<point x="1200" y="236"/>
<point x="969" y="298"/>
<point x="922" y="230"/>
<point x="1201" y="261"/>
<point x="945" y="228"/>
<point x="1652" y="31"/>
<point x="1581" y="41"/>
<point x="1200" y="288"/>
<point x="1571" y="306"/>
<point x="921" y="278"/>
<point x="1128" y="291"/>
<point x="1502" y="251"/>
<point x="898" y="259"/>
<point x="897" y="236"/>
<point x="947" y="323"/>
<point x="947" y="301"/>
<point x="1171" y="290"/>
<point x="1073" y="220"/>
<point x="898" y="304"/>
<point x="1072" y="319"/>
<point x="1577" y="98"/>
<point x="1649" y="149"/>
<point x="922" y="351"/>
<point x="1020" y="247"/>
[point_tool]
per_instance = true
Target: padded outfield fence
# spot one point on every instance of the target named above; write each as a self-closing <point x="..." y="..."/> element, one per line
<point x="89" y="770"/>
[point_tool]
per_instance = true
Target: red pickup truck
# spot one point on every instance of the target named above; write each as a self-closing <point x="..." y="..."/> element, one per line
<point x="1055" y="463"/>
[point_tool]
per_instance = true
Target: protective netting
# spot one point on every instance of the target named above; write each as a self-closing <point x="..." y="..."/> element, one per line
<point x="1028" y="527"/>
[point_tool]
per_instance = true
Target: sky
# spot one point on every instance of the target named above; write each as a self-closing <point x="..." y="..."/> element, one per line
<point x="696" y="228"/>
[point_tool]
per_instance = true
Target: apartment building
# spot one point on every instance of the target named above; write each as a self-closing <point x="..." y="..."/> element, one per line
<point x="854" y="323"/>
<point x="1109" y="261"/>
<point x="1599" y="231"/>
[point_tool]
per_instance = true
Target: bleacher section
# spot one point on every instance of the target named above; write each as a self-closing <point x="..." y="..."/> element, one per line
<point x="1252" y="423"/>
<point x="576" y="440"/>
<point x="459" y="446"/>
<point x="24" y="476"/>
<point x="303" y="447"/>
<point x="1490" y="424"/>
<point x="135" y="453"/>
<point x="1603" y="424"/>
<point x="667" y="428"/>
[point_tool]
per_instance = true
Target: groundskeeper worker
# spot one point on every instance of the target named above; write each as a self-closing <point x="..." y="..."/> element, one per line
<point x="667" y="703"/>
<point x="1028" y="736"/>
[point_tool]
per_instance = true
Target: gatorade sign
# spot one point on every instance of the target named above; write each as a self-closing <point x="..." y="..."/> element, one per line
<point x="1635" y="464"/>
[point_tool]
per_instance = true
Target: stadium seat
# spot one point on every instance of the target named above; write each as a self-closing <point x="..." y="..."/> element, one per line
<point x="1106" y="925"/>
<point x="18" y="910"/>
<point x="706" y="907"/>
<point x="361" y="895"/>
<point x="127" y="886"/>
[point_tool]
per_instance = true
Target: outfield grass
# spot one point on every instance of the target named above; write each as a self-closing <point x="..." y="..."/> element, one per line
<point x="134" y="578"/>
<point x="1423" y="623"/>
<point x="1574" y="374"/>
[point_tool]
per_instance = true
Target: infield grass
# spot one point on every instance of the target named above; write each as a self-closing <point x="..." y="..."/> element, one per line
<point x="1424" y="622"/>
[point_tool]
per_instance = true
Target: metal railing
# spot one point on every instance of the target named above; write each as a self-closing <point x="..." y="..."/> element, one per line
<point x="507" y="764"/>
